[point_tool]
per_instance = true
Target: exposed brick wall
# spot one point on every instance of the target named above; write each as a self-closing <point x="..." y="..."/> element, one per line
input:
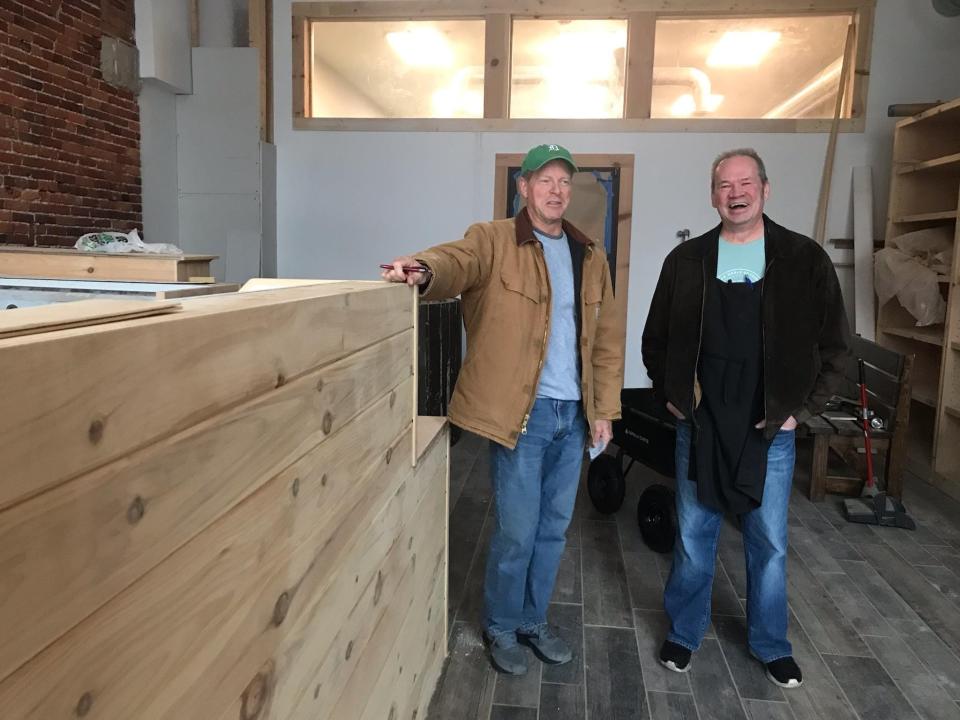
<point x="69" y="143"/>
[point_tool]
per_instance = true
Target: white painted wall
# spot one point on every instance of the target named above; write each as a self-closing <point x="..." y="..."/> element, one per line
<point x="218" y="137"/>
<point x="163" y="38"/>
<point x="349" y="200"/>
<point x="158" y="162"/>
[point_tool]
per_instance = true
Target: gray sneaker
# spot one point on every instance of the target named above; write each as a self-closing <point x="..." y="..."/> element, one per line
<point x="546" y="645"/>
<point x="505" y="654"/>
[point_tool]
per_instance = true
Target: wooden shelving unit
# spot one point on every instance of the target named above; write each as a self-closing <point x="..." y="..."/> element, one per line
<point x="925" y="193"/>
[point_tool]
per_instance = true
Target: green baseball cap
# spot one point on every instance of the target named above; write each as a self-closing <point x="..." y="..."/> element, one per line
<point x="542" y="154"/>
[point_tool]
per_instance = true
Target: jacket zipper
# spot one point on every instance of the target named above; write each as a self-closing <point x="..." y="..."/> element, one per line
<point x="763" y="337"/>
<point x="543" y="352"/>
<point x="696" y="363"/>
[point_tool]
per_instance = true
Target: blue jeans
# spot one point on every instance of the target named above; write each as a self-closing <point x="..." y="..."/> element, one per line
<point x="534" y="488"/>
<point x="686" y="597"/>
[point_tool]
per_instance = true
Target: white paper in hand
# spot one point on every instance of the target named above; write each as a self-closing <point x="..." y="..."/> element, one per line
<point x="595" y="450"/>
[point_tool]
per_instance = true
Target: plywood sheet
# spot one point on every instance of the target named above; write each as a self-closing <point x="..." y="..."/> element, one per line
<point x="63" y="316"/>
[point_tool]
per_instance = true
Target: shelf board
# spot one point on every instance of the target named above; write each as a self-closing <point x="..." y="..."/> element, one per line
<point x="924" y="217"/>
<point x="930" y="335"/>
<point x="947" y="163"/>
<point x="922" y="396"/>
<point x="952" y="412"/>
<point x="946" y="112"/>
<point x="955" y="345"/>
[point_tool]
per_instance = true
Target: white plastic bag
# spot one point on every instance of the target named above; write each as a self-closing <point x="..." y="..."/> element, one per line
<point x="114" y="242"/>
<point x="909" y="269"/>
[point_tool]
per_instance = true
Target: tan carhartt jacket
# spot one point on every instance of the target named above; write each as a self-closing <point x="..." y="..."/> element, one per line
<point x="499" y="271"/>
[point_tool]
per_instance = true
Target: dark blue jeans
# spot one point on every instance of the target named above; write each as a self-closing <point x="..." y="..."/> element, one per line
<point x="534" y="488"/>
<point x="687" y="595"/>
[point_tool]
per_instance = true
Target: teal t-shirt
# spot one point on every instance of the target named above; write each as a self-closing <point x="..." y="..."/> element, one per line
<point x="740" y="262"/>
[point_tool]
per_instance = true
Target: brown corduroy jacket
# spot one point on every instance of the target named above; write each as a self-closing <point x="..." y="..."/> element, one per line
<point x="499" y="271"/>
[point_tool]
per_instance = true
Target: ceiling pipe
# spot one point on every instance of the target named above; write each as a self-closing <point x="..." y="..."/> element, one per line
<point x="820" y="88"/>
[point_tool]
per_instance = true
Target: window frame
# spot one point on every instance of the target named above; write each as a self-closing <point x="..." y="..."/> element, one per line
<point x="642" y="16"/>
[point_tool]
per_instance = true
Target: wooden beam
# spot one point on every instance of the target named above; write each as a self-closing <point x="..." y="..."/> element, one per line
<point x="641" y="32"/>
<point x="302" y="69"/>
<point x="259" y="13"/>
<point x="497" y="67"/>
<point x="176" y="488"/>
<point x="436" y="9"/>
<point x="823" y="202"/>
<point x="82" y="313"/>
<point x="69" y="407"/>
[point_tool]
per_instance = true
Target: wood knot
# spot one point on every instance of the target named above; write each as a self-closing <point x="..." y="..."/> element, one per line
<point x="84" y="704"/>
<point x="349" y="652"/>
<point x="327" y="422"/>
<point x="378" y="588"/>
<point x="95" y="432"/>
<point x="281" y="608"/>
<point x="295" y="489"/>
<point x="136" y="510"/>
<point x="281" y="380"/>
<point x="323" y="480"/>
<point x="254" y="698"/>
<point x="90" y="270"/>
<point x="494" y="62"/>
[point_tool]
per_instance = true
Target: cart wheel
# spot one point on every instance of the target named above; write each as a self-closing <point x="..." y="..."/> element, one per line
<point x="605" y="484"/>
<point x="657" y="517"/>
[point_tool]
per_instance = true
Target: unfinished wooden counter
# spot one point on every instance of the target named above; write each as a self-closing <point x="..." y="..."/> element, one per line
<point x="214" y="514"/>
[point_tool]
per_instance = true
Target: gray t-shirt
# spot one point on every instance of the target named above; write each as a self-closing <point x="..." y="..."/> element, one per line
<point x="560" y="376"/>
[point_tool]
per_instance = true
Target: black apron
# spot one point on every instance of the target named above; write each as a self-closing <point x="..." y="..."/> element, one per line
<point x="729" y="455"/>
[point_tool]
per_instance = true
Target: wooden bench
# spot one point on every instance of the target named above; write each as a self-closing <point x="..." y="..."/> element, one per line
<point x="888" y="386"/>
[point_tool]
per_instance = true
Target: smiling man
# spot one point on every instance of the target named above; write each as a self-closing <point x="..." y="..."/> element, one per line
<point x="543" y="372"/>
<point x="746" y="336"/>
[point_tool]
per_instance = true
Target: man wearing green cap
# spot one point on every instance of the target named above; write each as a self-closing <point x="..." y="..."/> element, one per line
<point x="541" y="380"/>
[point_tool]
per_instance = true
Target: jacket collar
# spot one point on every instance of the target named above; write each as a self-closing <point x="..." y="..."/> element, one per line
<point x="524" y="229"/>
<point x="776" y="241"/>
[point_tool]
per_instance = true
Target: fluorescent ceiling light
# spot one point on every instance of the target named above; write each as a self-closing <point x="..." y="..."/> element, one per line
<point x="742" y="48"/>
<point x="422" y="47"/>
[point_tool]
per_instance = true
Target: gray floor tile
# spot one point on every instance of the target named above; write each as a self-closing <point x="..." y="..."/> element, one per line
<point x="568" y="619"/>
<point x="672" y="706"/>
<point x="942" y="616"/>
<point x="819" y="615"/>
<point x="713" y="687"/>
<point x="520" y="690"/>
<point x="878" y="591"/>
<point x="652" y="629"/>
<point x="870" y="689"/>
<point x="765" y="710"/>
<point x="465" y="691"/>
<point x="567" y="587"/>
<point x="507" y="712"/>
<point x="562" y="702"/>
<point x="856" y="608"/>
<point x="614" y="683"/>
<point x="606" y="599"/>
<point x="748" y="673"/>
<point x="644" y="579"/>
<point x="943" y="579"/>
<point x="939" y="660"/>
<point x="917" y="684"/>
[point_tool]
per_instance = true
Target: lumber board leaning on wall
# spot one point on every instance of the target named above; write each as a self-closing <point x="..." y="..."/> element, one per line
<point x="200" y="629"/>
<point x="81" y="398"/>
<point x="114" y="524"/>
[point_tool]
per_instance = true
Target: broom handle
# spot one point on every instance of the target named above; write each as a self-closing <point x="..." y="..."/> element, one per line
<point x="865" y="421"/>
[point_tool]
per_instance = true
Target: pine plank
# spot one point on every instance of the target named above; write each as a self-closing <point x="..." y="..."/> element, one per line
<point x="67" y="264"/>
<point x="82" y="313"/>
<point x="68" y="551"/>
<point x="204" y="625"/>
<point x="85" y="397"/>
